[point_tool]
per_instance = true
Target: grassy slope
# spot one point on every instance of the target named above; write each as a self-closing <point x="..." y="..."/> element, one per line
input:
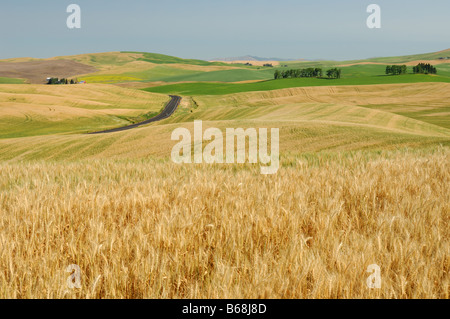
<point x="425" y="102"/>
<point x="352" y="75"/>
<point x="166" y="59"/>
<point x="191" y="89"/>
<point x="409" y="58"/>
<point x="29" y="110"/>
<point x="4" y="80"/>
<point x="224" y="76"/>
<point x="102" y="60"/>
<point x="117" y="67"/>
<point x="310" y="120"/>
<point x="336" y="119"/>
<point x="127" y="66"/>
<point x="296" y="138"/>
<point x="387" y="60"/>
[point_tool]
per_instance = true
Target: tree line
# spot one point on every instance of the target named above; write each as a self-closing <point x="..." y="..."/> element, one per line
<point x="335" y="73"/>
<point x="396" y="69"/>
<point x="61" y="81"/>
<point x="307" y="73"/>
<point x="424" y="68"/>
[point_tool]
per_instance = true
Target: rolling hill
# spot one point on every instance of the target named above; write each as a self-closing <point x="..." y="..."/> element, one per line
<point x="311" y="119"/>
<point x="363" y="179"/>
<point x="157" y="69"/>
<point x="32" y="110"/>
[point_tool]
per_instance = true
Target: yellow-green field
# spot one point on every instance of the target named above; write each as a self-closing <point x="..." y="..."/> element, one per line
<point x="177" y="75"/>
<point x="31" y="110"/>
<point x="310" y="119"/>
<point x="363" y="180"/>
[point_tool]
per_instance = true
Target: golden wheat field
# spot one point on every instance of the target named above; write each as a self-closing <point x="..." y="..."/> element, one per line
<point x="152" y="229"/>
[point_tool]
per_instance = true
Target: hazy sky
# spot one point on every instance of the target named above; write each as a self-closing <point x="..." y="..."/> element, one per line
<point x="204" y="29"/>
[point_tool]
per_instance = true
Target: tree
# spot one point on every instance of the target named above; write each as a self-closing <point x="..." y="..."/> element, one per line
<point x="330" y="73"/>
<point x="404" y="69"/>
<point x="53" y="81"/>
<point x="396" y="69"/>
<point x="298" y="73"/>
<point x="276" y="75"/>
<point x="318" y="72"/>
<point x="424" y="68"/>
<point x="334" y="73"/>
<point x="388" y="69"/>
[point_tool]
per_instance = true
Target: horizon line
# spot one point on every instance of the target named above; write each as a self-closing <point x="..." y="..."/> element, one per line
<point x="218" y="59"/>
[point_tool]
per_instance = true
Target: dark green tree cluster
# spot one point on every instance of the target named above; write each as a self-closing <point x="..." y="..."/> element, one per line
<point x="396" y="69"/>
<point x="334" y="73"/>
<point x="61" y="81"/>
<point x="53" y="81"/>
<point x="424" y="68"/>
<point x="298" y="73"/>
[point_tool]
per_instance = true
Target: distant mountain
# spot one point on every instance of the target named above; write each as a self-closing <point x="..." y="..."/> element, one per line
<point x="252" y="58"/>
<point x="440" y="55"/>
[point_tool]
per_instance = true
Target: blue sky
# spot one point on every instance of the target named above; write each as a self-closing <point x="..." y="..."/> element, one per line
<point x="204" y="29"/>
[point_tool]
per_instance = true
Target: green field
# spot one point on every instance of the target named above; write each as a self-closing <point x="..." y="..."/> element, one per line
<point x="129" y="66"/>
<point x="192" y="89"/>
<point x="11" y="81"/>
<point x="225" y="76"/>
<point x="443" y="69"/>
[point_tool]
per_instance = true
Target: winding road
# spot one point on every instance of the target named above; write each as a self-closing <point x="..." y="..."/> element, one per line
<point x="167" y="112"/>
